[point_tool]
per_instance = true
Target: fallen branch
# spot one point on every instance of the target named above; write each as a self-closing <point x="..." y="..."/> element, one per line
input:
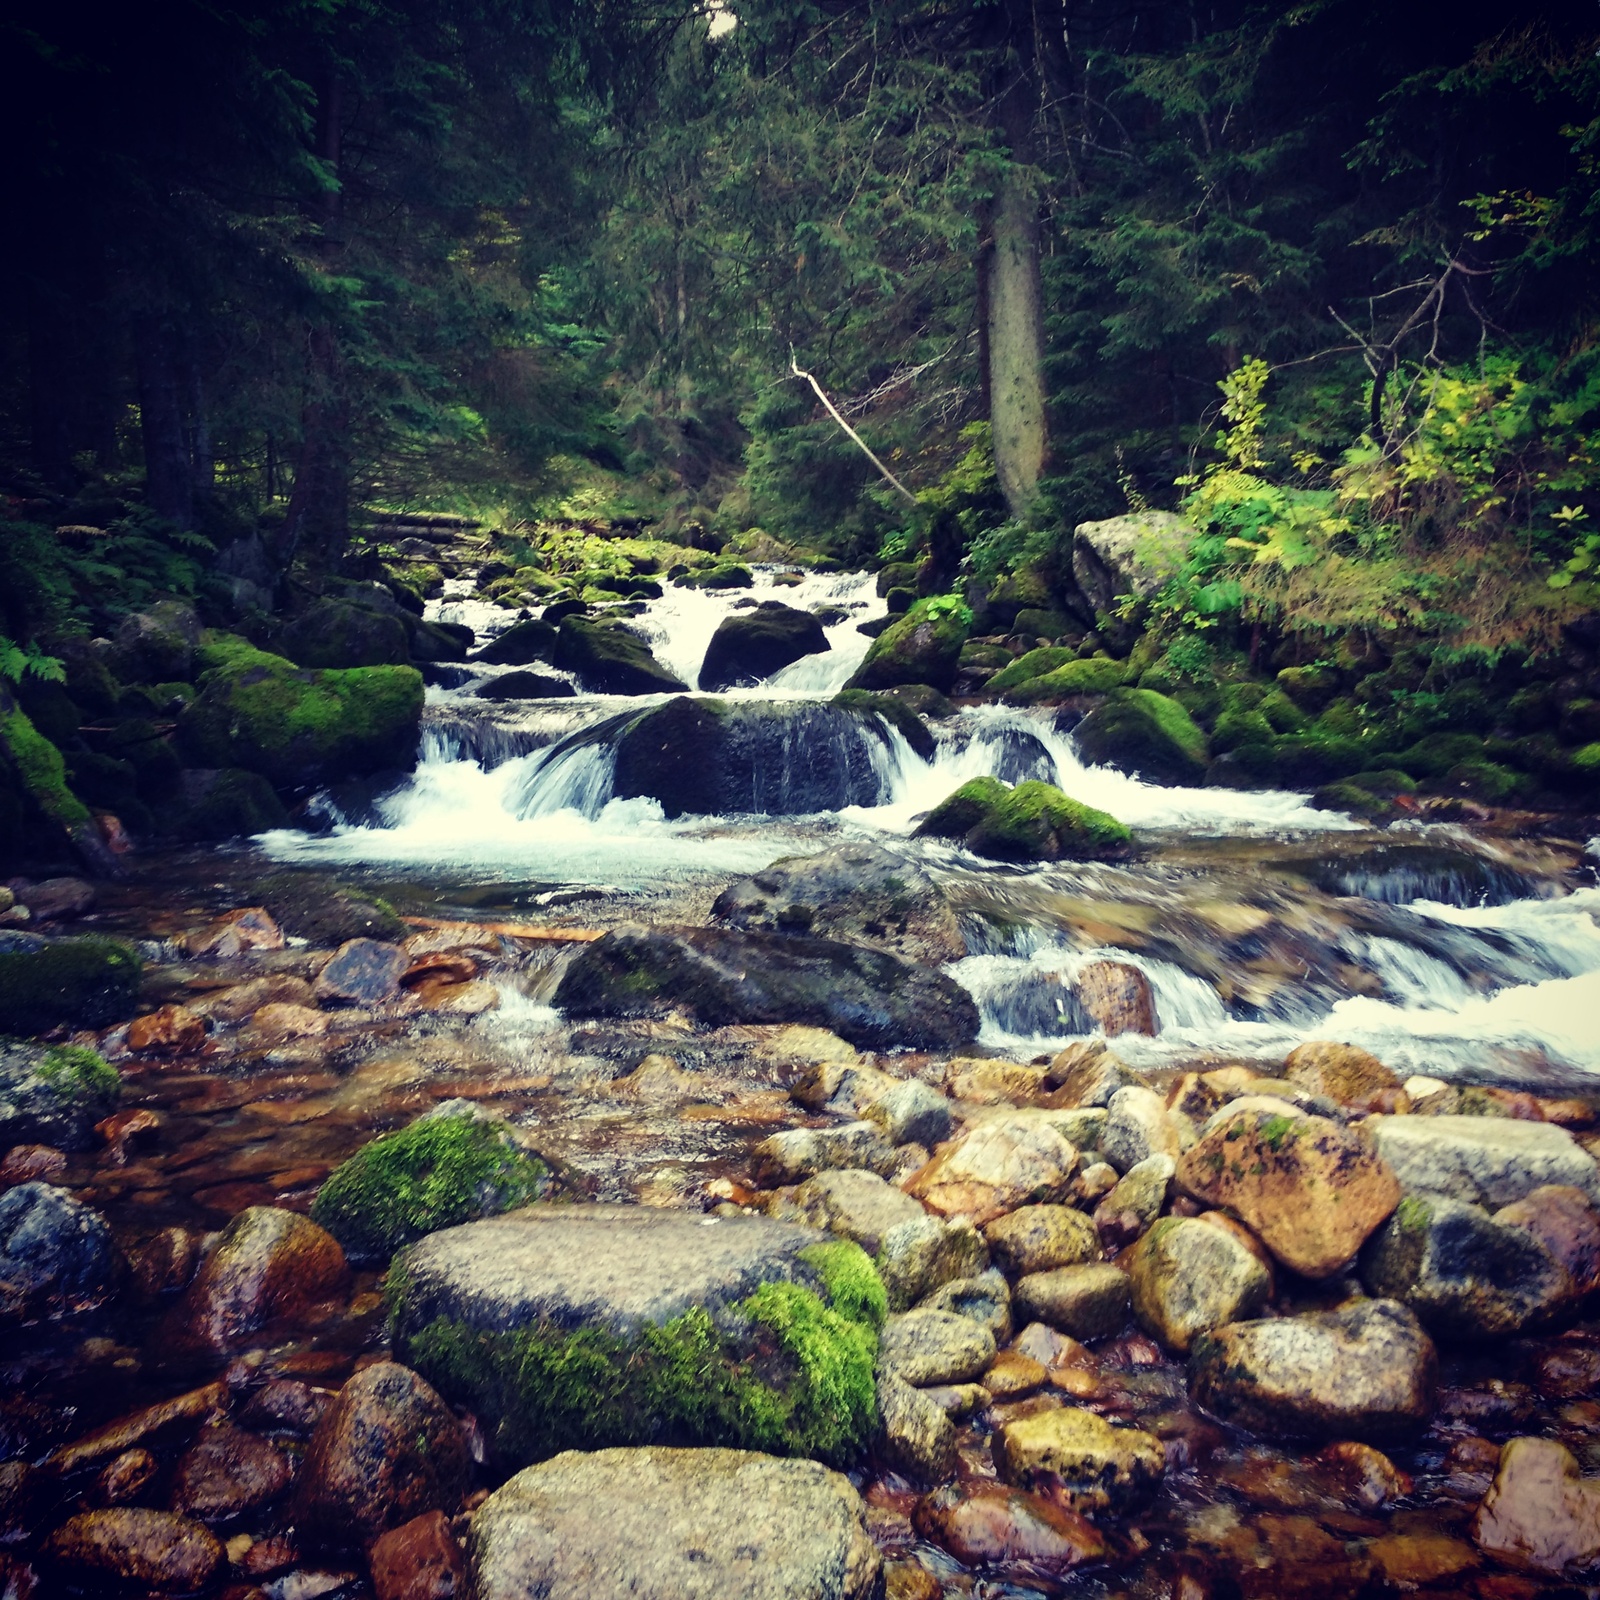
<point x="837" y="415"/>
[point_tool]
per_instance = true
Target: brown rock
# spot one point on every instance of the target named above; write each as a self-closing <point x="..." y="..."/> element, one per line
<point x="55" y="899"/>
<point x="994" y="1082"/>
<point x="279" y="1020"/>
<point x="243" y="1000"/>
<point x="1540" y="1515"/>
<point x="168" y="1417"/>
<point x="165" y="1262"/>
<point x="250" y="928"/>
<point x="995" y="1167"/>
<point x="1568" y="1370"/>
<point x="363" y="972"/>
<point x="993" y="1525"/>
<point x="227" y="1472"/>
<point x="419" y="1560"/>
<point x="123" y="1129"/>
<point x="450" y="967"/>
<point x="1413" y="1560"/>
<point x="26" y="1496"/>
<point x="127" y="1477"/>
<point x="129" y="1545"/>
<point x="1101" y="1467"/>
<point x="1359" y="1475"/>
<point x="1012" y="1375"/>
<point x="173" y="1030"/>
<point x="1564" y="1221"/>
<point x="1308" y="1188"/>
<point x="1118" y="998"/>
<point x="267" y="1557"/>
<point x="1037" y="1238"/>
<point x="388" y="1449"/>
<point x="287" y="1403"/>
<point x="269" y="1266"/>
<point x="1088" y="1302"/>
<point x="31" y="1163"/>
<point x="910" y="1580"/>
<point x="453" y="936"/>
<point x="1340" y="1071"/>
<point x="1085" y="1074"/>
<point x="455" y="999"/>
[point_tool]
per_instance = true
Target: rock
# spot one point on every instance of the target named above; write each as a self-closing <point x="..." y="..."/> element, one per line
<point x="1137" y="1128"/>
<point x="912" y="1113"/>
<point x="1359" y="1475"/>
<point x="1118" y="999"/>
<point x="856" y="1205"/>
<point x="156" y="645"/>
<point x="333" y="633"/>
<point x="995" y="1525"/>
<point x="129" y="1545"/>
<point x="1033" y="821"/>
<point x="223" y="803"/>
<point x="273" y="1024"/>
<point x="650" y="1316"/>
<point x="171" y="1030"/>
<point x="1343" y="1073"/>
<point x="419" y="1560"/>
<point x="996" y="1167"/>
<point x="299" y="728"/>
<point x="240" y="1002"/>
<point x="994" y="1082"/>
<point x="1134" y="555"/>
<point x="181" y="1414"/>
<point x="1086" y="1074"/>
<point x="127" y="1477"/>
<point x="86" y="982"/>
<point x="521" y="643"/>
<point x="26" y="1163"/>
<point x="663" y="1524"/>
<point x="926" y="1347"/>
<point x="1488" y="1161"/>
<point x="526" y="686"/>
<point x="269" y="1266"/>
<point x="751" y="645"/>
<point x="227" y="1472"/>
<point x="1367" y="1371"/>
<point x="53" y="1095"/>
<point x="923" y="646"/>
<point x="984" y="1299"/>
<point x="1187" y="1278"/>
<point x="841" y="1082"/>
<point x="859" y="892"/>
<point x="1465" y="1275"/>
<point x="452" y="1165"/>
<point x="1140" y="1193"/>
<point x="719" y="976"/>
<point x="388" y="1449"/>
<point x="1038" y="1238"/>
<point x="610" y="660"/>
<point x="229" y="937"/>
<point x="1146" y="734"/>
<point x="314" y="907"/>
<point x="1101" y="1468"/>
<point x="1089" y="1302"/>
<point x="1310" y="1190"/>
<point x="922" y="1254"/>
<point x="57" y="1257"/>
<point x="1012" y="1375"/>
<point x="800" y="1153"/>
<point x="58" y="899"/>
<point x="1561" y="1218"/>
<point x="363" y="972"/>
<point x="915" y="1433"/>
<point x="1540" y="1515"/>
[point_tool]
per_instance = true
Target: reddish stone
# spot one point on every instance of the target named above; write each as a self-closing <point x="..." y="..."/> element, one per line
<point x="363" y="972"/>
<point x="1568" y="1371"/>
<point x="227" y="1472"/>
<point x="173" y="1030"/>
<point x="167" y="1417"/>
<point x="30" y="1163"/>
<point x="165" y="1262"/>
<point x="1117" y="997"/>
<point x="992" y="1524"/>
<point x="267" y="1557"/>
<point x="122" y="1128"/>
<point x="1359" y="1475"/>
<point x="127" y="1477"/>
<point x="419" y="1560"/>
<point x="440" y="964"/>
<point x="249" y="928"/>
<point x="1562" y="1219"/>
<point x="287" y="1403"/>
<point x="1541" y="1515"/>
<point x="18" y="1581"/>
<point x="127" y="1544"/>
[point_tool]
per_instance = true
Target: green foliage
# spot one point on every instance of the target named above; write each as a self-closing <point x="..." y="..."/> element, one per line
<point x="18" y="660"/>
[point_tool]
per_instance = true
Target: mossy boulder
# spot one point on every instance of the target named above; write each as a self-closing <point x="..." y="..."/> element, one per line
<point x="726" y="576"/>
<point x="1486" y="780"/>
<point x="1311" y="688"/>
<point x="923" y="646"/>
<point x="297" y="727"/>
<point x="1049" y="624"/>
<point x="156" y="644"/>
<point x="532" y="639"/>
<point x="453" y="1165"/>
<point x="585" y="1326"/>
<point x="1032" y="822"/>
<point x="232" y="803"/>
<point x="1092" y="675"/>
<point x="1024" y="668"/>
<point x="327" y="913"/>
<point x="1434" y="755"/>
<point x="333" y="633"/>
<point x="54" y="1094"/>
<point x="1147" y="734"/>
<point x="898" y="575"/>
<point x="894" y="711"/>
<point x="1023" y="590"/>
<point x="86" y="982"/>
<point x="1235" y="728"/>
<point x="610" y="660"/>
<point x="32" y="769"/>
<point x="751" y="645"/>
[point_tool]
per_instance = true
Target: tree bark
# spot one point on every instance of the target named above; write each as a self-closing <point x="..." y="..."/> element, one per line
<point x="168" y="473"/>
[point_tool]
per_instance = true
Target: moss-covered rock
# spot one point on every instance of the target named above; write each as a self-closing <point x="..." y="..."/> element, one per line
<point x="923" y="646"/>
<point x="1434" y="755"/>
<point x="315" y="907"/>
<point x="157" y="643"/>
<point x="611" y="660"/>
<point x="1311" y="688"/>
<point x="333" y="633"/>
<point x="297" y="727"/>
<point x="148" y="750"/>
<point x="894" y="711"/>
<point x="1147" y="734"/>
<point x="1026" y="667"/>
<point x="1047" y="624"/>
<point x="54" y="1095"/>
<point x="1092" y="675"/>
<point x="231" y="803"/>
<point x="1032" y="822"/>
<point x="85" y="982"/>
<point x="1234" y="728"/>
<point x="897" y="575"/>
<point x="533" y="639"/>
<point x="1485" y="780"/>
<point x="453" y="1165"/>
<point x="751" y="645"/>
<point x="1284" y="715"/>
<point x="38" y="778"/>
<point x="727" y="576"/>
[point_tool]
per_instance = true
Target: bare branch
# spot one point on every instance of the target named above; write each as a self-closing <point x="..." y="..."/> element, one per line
<point x="834" y="412"/>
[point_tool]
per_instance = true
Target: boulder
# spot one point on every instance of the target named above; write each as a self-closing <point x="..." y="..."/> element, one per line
<point x="1488" y="1161"/>
<point x="526" y="686"/>
<point x="893" y="711"/>
<point x="1039" y="1238"/>
<point x="608" y="659"/>
<point x="1144" y="733"/>
<point x="363" y="972"/>
<point x="419" y="1560"/>
<point x="923" y="646"/>
<point x="1311" y="1190"/>
<point x="1464" y="1274"/>
<point x="314" y="907"/>
<point x="987" y="1525"/>
<point x="860" y="892"/>
<point x="1117" y="997"/>
<point x="1343" y="1073"/>
<point x="1367" y="1371"/>
<point x="1100" y="1467"/>
<point x="85" y="982"/>
<point x="53" y="1094"/>
<point x="523" y="642"/>
<point x="665" y="1524"/>
<point x="156" y="645"/>
<point x="1136" y="554"/>
<point x="1540" y="1515"/>
<point x="912" y="1113"/>
<point x="608" y="1324"/>
<point x="720" y="976"/>
<point x="1032" y="822"/>
<point x="223" y="803"/>
<point x="984" y="1299"/>
<point x="1008" y="1161"/>
<point x="800" y="1153"/>
<point x="1137" y="1129"/>
<point x="57" y="899"/>
<point x="1086" y="1074"/>
<point x="915" y="1433"/>
<point x="57" y="1257"/>
<point x="1561" y="1218"/>
<point x="268" y="1267"/>
<point x="1140" y="1193"/>
<point x="1089" y="1301"/>
<point x="751" y="645"/>
<point x="334" y="633"/>
<point x="923" y="1253"/>
<point x="928" y="1347"/>
<point x="388" y="1449"/>
<point x="856" y="1205"/>
<point x="454" y="1164"/>
<point x="227" y="1472"/>
<point x="1187" y="1278"/>
<point x="124" y="1547"/>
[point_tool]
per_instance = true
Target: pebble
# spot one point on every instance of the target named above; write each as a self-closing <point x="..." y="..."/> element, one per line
<point x="226" y="1472"/>
<point x="1103" y="1468"/>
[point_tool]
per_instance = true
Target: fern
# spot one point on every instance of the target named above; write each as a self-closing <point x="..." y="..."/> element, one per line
<point x="19" y="661"/>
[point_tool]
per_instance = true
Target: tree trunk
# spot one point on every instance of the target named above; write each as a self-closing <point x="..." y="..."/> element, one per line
<point x="168" y="474"/>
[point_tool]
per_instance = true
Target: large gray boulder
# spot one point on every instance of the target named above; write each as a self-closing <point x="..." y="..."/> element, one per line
<point x="722" y="977"/>
<point x="590" y="1325"/>
<point x="57" y="1257"/>
<point x="751" y="645"/>
<point x="1135" y="554"/>
<point x="662" y="1524"/>
<point x="1488" y="1161"/>
<point x="858" y="891"/>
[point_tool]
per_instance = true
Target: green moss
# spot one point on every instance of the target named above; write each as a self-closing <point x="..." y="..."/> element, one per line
<point x="1438" y="752"/>
<point x="1586" y="759"/>
<point x="1093" y="675"/>
<point x="1284" y="715"/>
<point x="959" y="813"/>
<point x="39" y="766"/>
<point x="1485" y="780"/>
<point x="720" y="577"/>
<point x="852" y="1283"/>
<point x="86" y="982"/>
<point x="218" y="650"/>
<point x="1243" y="696"/>
<point x="895" y="712"/>
<point x="1031" y="822"/>
<point x="439" y="1171"/>
<point x="74" y="1070"/>
<point x="1032" y="664"/>
<point x="923" y="646"/>
<point x="979" y="653"/>
<point x="1234" y="728"/>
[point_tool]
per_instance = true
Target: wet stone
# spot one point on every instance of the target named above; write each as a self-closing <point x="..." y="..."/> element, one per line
<point x="125" y="1478"/>
<point x="227" y="1472"/>
<point x="925" y="1346"/>
<point x="1541" y="1515"/>
<point x="1188" y="1278"/>
<point x="857" y="1205"/>
<point x="171" y="1030"/>
<point x="1038" y="1238"/>
<point x="230" y="936"/>
<point x="126" y="1544"/>
<point x="994" y="1525"/>
<point x="1141" y="1192"/>
<point x="1564" y="1222"/>
<point x="57" y="1257"/>
<point x="1087" y="1302"/>
<point x="915" y="1432"/>
<point x="1086" y="1074"/>
<point x="1341" y="1071"/>
<point x="1118" y="997"/>
<point x="923" y="1253"/>
<point x="363" y="972"/>
<point x="1102" y="1468"/>
<point x="1487" y="1161"/>
<point x="1010" y="1160"/>
<point x="29" y="1163"/>
<point x="419" y="1560"/>
<point x="985" y="1299"/>
<point x="801" y="1153"/>
<point x="1137" y="1128"/>
<point x="912" y="1113"/>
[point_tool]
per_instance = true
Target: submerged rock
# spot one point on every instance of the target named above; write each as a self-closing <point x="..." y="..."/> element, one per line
<point x="85" y="982"/>
<point x="419" y="1560"/>
<point x="719" y="976"/>
<point x="227" y="1472"/>
<point x="53" y="1094"/>
<point x="751" y="645"/>
<point x="996" y="1525"/>
<point x="128" y="1546"/>
<point x="663" y="1524"/>
<point x="1540" y="1515"/>
<point x="57" y="1257"/>
<point x="1102" y="1468"/>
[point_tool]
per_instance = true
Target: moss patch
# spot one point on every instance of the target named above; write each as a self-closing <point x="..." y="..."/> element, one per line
<point x="78" y="1072"/>
<point x="87" y="982"/>
<point x="895" y="712"/>
<point x="40" y="769"/>
<point x="923" y="646"/>
<point x="1034" y="821"/>
<point x="437" y="1172"/>
<point x="1093" y="675"/>
<point x="1148" y="734"/>
<point x="1033" y="664"/>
